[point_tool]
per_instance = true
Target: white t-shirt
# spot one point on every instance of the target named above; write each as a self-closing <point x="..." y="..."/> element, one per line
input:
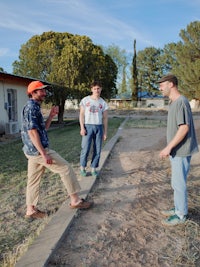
<point x="93" y="109"/>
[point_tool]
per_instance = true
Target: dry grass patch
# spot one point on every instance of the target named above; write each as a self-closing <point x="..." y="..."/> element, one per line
<point x="16" y="233"/>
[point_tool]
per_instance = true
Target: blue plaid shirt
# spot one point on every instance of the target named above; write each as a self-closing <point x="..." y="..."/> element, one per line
<point x="32" y="119"/>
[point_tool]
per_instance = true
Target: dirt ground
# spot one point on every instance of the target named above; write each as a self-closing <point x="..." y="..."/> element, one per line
<point x="124" y="227"/>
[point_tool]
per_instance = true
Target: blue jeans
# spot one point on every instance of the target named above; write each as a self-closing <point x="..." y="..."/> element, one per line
<point x="180" y="168"/>
<point x="95" y="135"/>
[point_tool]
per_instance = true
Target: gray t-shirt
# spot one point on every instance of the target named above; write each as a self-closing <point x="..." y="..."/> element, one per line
<point x="180" y="113"/>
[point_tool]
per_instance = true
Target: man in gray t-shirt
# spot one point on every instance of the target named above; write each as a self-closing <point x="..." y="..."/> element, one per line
<point x="181" y="144"/>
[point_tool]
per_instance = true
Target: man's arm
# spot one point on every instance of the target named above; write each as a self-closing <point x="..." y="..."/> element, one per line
<point x="82" y="121"/>
<point x="54" y="111"/>
<point x="181" y="133"/>
<point x="105" y="124"/>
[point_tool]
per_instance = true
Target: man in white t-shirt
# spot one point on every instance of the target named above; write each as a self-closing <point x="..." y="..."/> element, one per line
<point x="93" y="121"/>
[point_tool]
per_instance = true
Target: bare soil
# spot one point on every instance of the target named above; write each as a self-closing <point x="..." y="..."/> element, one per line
<point x="124" y="227"/>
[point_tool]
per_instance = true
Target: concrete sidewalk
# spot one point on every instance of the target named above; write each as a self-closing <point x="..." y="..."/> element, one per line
<point x="38" y="253"/>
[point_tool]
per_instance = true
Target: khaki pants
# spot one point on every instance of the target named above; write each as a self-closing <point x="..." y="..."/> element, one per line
<point x="36" y="167"/>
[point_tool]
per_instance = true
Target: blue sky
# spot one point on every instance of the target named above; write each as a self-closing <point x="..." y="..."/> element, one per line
<point x="106" y="22"/>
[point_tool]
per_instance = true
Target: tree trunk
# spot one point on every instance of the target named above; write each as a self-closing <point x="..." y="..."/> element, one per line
<point x="61" y="111"/>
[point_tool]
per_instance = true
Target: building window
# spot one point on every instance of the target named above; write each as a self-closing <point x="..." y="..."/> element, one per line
<point x="12" y="105"/>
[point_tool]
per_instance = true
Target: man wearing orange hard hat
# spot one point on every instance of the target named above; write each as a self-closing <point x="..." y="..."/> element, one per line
<point x="36" y="85"/>
<point x="40" y="156"/>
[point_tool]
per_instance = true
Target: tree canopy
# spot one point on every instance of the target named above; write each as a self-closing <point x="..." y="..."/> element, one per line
<point x="119" y="56"/>
<point x="71" y="62"/>
<point x="188" y="59"/>
<point x="149" y="68"/>
<point x="182" y="59"/>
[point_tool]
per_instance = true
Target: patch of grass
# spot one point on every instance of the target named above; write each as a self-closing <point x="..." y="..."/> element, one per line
<point x="145" y="123"/>
<point x="185" y="253"/>
<point x="15" y="232"/>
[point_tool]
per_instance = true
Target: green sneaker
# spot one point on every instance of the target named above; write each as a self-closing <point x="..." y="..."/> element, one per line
<point x="95" y="174"/>
<point x="173" y="220"/>
<point x="168" y="212"/>
<point x="83" y="173"/>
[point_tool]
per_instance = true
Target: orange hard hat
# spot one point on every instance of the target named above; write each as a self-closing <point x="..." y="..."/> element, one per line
<point x="35" y="85"/>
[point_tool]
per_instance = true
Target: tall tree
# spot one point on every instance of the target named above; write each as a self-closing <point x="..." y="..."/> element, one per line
<point x="149" y="69"/>
<point x="134" y="75"/>
<point x="168" y="58"/>
<point x="109" y="81"/>
<point x="188" y="58"/>
<point x="69" y="61"/>
<point x="119" y="56"/>
<point x="123" y="86"/>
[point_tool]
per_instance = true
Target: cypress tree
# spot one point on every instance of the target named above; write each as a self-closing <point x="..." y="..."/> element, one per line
<point x="134" y="75"/>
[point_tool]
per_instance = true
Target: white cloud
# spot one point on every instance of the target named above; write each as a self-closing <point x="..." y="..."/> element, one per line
<point x="91" y="18"/>
<point x="96" y="21"/>
<point x="105" y="22"/>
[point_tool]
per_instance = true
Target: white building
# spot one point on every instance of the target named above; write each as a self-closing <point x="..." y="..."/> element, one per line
<point x="12" y="99"/>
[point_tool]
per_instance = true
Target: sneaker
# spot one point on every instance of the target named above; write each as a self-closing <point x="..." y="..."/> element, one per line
<point x="173" y="220"/>
<point x="83" y="173"/>
<point x="94" y="174"/>
<point x="167" y="213"/>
